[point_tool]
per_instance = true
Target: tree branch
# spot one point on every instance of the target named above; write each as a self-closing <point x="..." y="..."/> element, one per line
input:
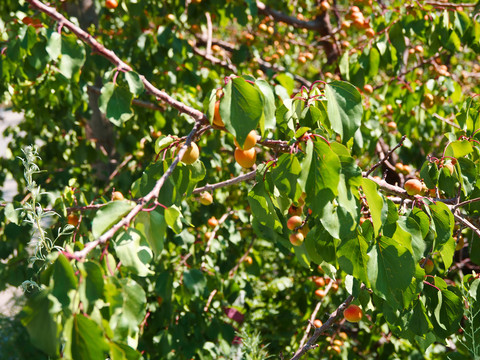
<point x="209" y="187"/>
<point x="114" y="59"/>
<point x="385" y="158"/>
<point x="79" y="255"/>
<point x="318" y="331"/>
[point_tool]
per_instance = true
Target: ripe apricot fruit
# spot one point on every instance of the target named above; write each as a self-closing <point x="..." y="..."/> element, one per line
<point x="294" y="222"/>
<point x="117" y="195"/>
<point x="320" y="282"/>
<point x="295" y="210"/>
<point x="250" y="141"/>
<point x="249" y="260"/>
<point x="217" y="119"/>
<point x="245" y="158"/>
<point x="324" y="5"/>
<point x="353" y="313"/>
<point x="370" y="32"/>
<point x="212" y="222"/>
<point x="111" y="4"/>
<point x="72" y="219"/>
<point x="320" y="293"/>
<point x="304" y="230"/>
<point x="318" y="323"/>
<point x="392" y="126"/>
<point x="368" y="88"/>
<point x="191" y="155"/>
<point x="296" y="239"/>
<point x="413" y="187"/>
<point x="206" y="198"/>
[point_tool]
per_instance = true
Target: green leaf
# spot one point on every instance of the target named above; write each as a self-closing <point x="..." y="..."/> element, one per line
<point x="374" y="62"/>
<point x="413" y="233"/>
<point x="153" y="227"/>
<point x="63" y="280"/>
<point x="353" y="258"/>
<point x="263" y="209"/>
<point x="241" y="108"/>
<point x="194" y="281"/>
<point x="469" y="116"/>
<point x="458" y="149"/>
<point x="269" y="103"/>
<point x="133" y="251"/>
<point x="119" y="351"/>
<point x="11" y="214"/>
<point x="109" y="215"/>
<point x="444" y="307"/>
<point x="443" y="222"/>
<point x="72" y="56"/>
<point x="390" y="269"/>
<point x="91" y="286"/>
<point x="88" y="341"/>
<point x="419" y="323"/>
<point x="320" y="245"/>
<point x="286" y="81"/>
<point x="172" y="218"/>
<point x="322" y="167"/>
<point x="135" y="84"/>
<point x="374" y="201"/>
<point x="115" y="102"/>
<point x="54" y="45"/>
<point x="163" y="142"/>
<point x="285" y="175"/>
<point x="38" y="316"/>
<point x="344" y="107"/>
<point x="127" y="301"/>
<point x="429" y="174"/>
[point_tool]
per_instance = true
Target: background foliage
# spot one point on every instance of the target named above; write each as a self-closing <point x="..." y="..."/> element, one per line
<point x="330" y="93"/>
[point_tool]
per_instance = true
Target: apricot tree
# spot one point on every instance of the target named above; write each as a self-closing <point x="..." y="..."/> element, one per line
<point x="330" y="110"/>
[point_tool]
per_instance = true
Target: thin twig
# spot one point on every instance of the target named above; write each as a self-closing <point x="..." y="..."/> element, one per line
<point x="215" y="60"/>
<point x="235" y="268"/>
<point x="113" y="58"/>
<point x="444" y="4"/>
<point x="463" y="203"/>
<point x="208" y="51"/>
<point x="448" y="121"/>
<point x="153" y="194"/>
<point x="386" y="156"/>
<point x="318" y="331"/>
<point x="210" y="187"/>
<point x="467" y="223"/>
<point x="314" y="316"/>
<point x="209" y="300"/>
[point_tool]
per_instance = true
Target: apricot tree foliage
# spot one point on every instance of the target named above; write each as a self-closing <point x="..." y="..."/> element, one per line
<point x="349" y="103"/>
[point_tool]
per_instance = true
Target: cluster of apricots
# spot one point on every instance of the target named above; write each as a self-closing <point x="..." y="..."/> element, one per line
<point x="296" y="224"/>
<point x="336" y="344"/>
<point x="320" y="282"/>
<point x="403" y="169"/>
